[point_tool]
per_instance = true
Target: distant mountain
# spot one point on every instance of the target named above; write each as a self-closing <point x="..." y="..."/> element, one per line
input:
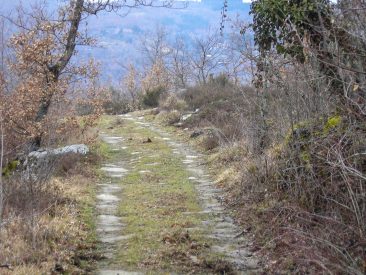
<point x="119" y="36"/>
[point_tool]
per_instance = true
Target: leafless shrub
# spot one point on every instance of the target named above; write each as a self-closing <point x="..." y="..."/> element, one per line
<point x="118" y="103"/>
<point x="209" y="142"/>
<point x="169" y="118"/>
<point x="67" y="163"/>
<point x="172" y="102"/>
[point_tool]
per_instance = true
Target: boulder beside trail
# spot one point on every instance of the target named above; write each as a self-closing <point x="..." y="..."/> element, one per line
<point x="196" y="133"/>
<point x="40" y="164"/>
<point x="81" y="149"/>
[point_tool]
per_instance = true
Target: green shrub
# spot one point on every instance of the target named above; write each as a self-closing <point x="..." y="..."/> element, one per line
<point x="9" y="168"/>
<point x="118" y="103"/>
<point x="151" y="97"/>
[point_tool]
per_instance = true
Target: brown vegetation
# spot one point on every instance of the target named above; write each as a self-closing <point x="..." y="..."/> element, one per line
<point x="289" y="148"/>
<point x="47" y="225"/>
<point x="296" y="184"/>
<point x="290" y="151"/>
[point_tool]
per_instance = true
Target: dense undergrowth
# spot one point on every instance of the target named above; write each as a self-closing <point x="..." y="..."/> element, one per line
<point x="296" y="185"/>
<point x="48" y="223"/>
<point x="289" y="147"/>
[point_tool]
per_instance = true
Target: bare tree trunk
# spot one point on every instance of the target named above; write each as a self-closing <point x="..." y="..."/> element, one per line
<point x="2" y="46"/>
<point x="77" y="9"/>
<point x="1" y="167"/>
<point x="56" y="69"/>
<point x="1" y="124"/>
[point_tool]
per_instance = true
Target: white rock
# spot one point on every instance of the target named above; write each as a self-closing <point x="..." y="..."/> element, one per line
<point x="185" y="117"/>
<point x="81" y="149"/>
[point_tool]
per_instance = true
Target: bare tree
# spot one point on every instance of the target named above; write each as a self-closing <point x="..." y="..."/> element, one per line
<point x="65" y="30"/>
<point x="1" y="165"/>
<point x="129" y="84"/>
<point x="207" y="57"/>
<point x="2" y="45"/>
<point x="154" y="47"/>
<point x="2" y="136"/>
<point x="179" y="65"/>
<point x="240" y="54"/>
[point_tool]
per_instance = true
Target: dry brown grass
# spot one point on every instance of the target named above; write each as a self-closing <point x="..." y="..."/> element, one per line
<point x="56" y="233"/>
<point x="169" y="118"/>
<point x="172" y="102"/>
<point x="209" y="142"/>
<point x="293" y="170"/>
<point x="299" y="199"/>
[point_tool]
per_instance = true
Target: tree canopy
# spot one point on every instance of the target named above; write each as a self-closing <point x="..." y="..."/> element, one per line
<point x="288" y="26"/>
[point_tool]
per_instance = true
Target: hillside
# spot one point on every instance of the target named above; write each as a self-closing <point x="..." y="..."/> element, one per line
<point x="224" y="147"/>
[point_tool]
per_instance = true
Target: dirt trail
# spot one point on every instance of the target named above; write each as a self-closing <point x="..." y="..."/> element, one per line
<point x="209" y="219"/>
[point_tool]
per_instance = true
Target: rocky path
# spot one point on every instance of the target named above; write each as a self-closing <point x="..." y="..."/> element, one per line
<point x="189" y="230"/>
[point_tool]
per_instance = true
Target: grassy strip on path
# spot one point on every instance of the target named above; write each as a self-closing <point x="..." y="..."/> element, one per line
<point x="156" y="204"/>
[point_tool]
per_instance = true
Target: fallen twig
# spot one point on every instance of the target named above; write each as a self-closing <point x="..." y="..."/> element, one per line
<point x="6" y="266"/>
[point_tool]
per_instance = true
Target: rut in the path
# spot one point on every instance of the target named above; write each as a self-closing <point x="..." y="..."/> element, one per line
<point x="109" y="225"/>
<point x="226" y="235"/>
